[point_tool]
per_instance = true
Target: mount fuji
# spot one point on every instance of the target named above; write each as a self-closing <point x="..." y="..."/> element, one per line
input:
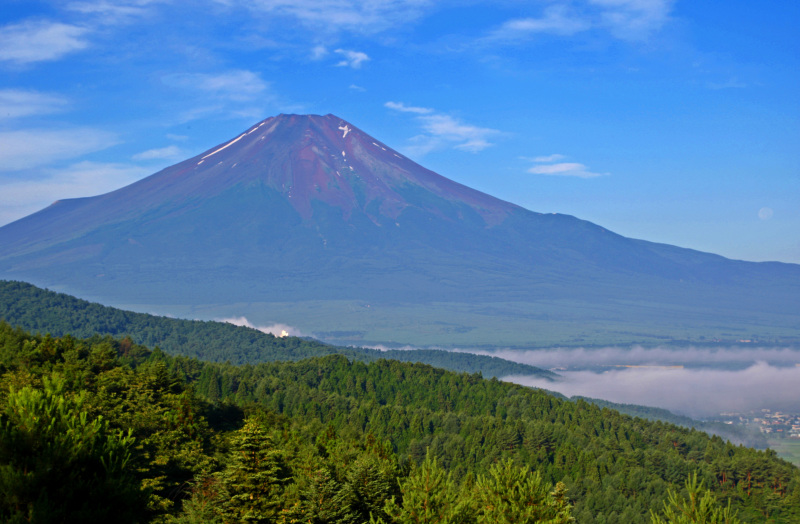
<point x="309" y="221"/>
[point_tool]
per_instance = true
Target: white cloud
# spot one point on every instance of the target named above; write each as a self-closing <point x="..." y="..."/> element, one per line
<point x="110" y="12"/>
<point x="15" y="103"/>
<point x="237" y="92"/>
<point x="235" y="85"/>
<point x="633" y="19"/>
<point x="623" y="19"/>
<point x="678" y="389"/>
<point x="352" y="59"/>
<point x="365" y="16"/>
<point x="319" y="52"/>
<point x="442" y="130"/>
<point x="19" y="198"/>
<point x="159" y="154"/>
<point x="564" y="169"/>
<point x="399" y="106"/>
<point x="467" y="137"/>
<point x="574" y="169"/>
<point x="39" y="41"/>
<point x="726" y="379"/>
<point x="37" y="147"/>
<point x="275" y="329"/>
<point x="549" y="158"/>
<point x="556" y="20"/>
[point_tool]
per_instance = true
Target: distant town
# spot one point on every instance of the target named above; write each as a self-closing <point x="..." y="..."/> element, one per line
<point x="775" y="423"/>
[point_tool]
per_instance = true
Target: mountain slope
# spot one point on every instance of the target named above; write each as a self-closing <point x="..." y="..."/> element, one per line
<point x="39" y="310"/>
<point x="306" y="212"/>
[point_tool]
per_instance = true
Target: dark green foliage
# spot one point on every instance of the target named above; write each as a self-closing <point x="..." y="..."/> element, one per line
<point x="745" y="435"/>
<point x="334" y="440"/>
<point x="44" y="311"/>
<point x="698" y="507"/>
<point x="57" y="461"/>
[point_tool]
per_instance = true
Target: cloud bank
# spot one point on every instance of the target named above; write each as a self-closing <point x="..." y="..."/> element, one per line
<point x="710" y="381"/>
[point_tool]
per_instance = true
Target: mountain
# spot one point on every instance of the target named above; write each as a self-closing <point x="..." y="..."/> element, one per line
<point x="310" y="221"/>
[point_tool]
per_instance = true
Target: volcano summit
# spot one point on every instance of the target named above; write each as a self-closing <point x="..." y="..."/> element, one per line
<point x="309" y="221"/>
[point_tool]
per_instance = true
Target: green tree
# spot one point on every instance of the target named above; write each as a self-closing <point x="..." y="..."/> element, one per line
<point x="699" y="507"/>
<point x="250" y="486"/>
<point x="429" y="496"/>
<point x="513" y="495"/>
<point x="58" y="464"/>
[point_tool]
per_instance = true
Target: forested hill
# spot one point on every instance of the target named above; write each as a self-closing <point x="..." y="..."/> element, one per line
<point x="105" y="430"/>
<point x="43" y="311"/>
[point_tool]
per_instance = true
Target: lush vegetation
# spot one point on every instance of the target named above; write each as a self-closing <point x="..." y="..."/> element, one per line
<point x="44" y="311"/>
<point x="102" y="426"/>
<point x="748" y="436"/>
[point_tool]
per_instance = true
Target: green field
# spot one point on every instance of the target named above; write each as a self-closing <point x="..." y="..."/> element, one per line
<point x="500" y="324"/>
<point x="787" y="449"/>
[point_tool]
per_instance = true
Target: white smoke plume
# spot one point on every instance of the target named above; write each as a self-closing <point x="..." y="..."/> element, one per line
<point x="279" y="330"/>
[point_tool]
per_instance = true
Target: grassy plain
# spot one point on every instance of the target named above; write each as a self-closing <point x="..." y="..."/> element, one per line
<point x="489" y="325"/>
<point x="787" y="449"/>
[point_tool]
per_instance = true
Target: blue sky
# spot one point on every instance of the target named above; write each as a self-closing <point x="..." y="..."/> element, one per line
<point x="671" y="121"/>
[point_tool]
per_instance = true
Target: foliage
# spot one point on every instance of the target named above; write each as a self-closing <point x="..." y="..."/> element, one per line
<point x="172" y="439"/>
<point x="57" y="462"/>
<point x="699" y="507"/>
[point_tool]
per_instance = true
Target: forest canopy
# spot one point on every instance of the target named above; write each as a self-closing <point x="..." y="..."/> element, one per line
<point x="159" y="438"/>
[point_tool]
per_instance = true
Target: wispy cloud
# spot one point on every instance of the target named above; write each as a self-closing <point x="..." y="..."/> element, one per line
<point x="557" y="19"/>
<point x="237" y="92"/>
<point x="19" y="198"/>
<point x="319" y="52"/>
<point x="633" y="19"/>
<point x="399" y="106"/>
<point x="237" y="85"/>
<point x="29" y="148"/>
<point x="441" y="130"/>
<point x="363" y="16"/>
<point x="15" y="103"/>
<point x="352" y="59"/>
<point x="549" y="158"/>
<point x="549" y="165"/>
<point x="466" y="136"/>
<point x="37" y="41"/>
<point x="159" y="153"/>
<point x="112" y="11"/>
<point x="622" y="19"/>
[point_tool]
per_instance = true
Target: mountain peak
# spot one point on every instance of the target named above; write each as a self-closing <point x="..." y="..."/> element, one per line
<point x="313" y="158"/>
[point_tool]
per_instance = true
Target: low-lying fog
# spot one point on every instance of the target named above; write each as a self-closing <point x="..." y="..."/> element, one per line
<point x="697" y="382"/>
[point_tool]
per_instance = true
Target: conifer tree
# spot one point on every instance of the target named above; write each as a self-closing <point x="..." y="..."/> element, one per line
<point x="700" y="507"/>
<point x="513" y="495"/>
<point x="250" y="486"/>
<point x="430" y="496"/>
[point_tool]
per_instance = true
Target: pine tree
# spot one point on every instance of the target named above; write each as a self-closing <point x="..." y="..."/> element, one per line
<point x="430" y="496"/>
<point x="250" y="486"/>
<point x="514" y="495"/>
<point x="700" y="507"/>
